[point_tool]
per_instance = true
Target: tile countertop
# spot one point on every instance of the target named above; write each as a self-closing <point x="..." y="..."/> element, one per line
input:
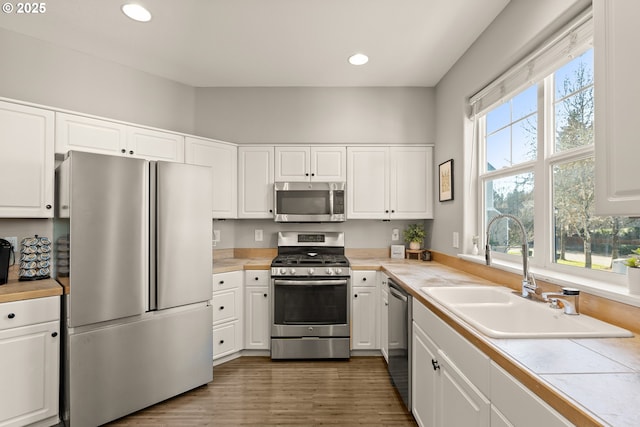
<point x="591" y="381"/>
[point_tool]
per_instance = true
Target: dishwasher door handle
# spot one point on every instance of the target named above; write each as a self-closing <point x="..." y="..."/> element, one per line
<point x="397" y="294"/>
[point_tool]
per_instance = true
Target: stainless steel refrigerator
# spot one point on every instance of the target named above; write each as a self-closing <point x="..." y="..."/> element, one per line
<point x="135" y="239"/>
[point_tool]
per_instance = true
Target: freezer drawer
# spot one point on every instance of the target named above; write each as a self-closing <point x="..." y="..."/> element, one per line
<point x="123" y="368"/>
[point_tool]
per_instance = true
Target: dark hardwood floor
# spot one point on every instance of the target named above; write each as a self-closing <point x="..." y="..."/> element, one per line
<point x="255" y="391"/>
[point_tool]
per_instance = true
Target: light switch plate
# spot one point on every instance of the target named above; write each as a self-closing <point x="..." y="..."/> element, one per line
<point x="258" y="235"/>
<point x="395" y="234"/>
<point x="216" y="235"/>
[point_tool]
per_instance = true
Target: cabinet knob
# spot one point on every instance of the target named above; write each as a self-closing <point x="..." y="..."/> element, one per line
<point x="393" y="211"/>
<point x="435" y="364"/>
<point x="54" y="334"/>
<point x="222" y="307"/>
<point x="306" y="174"/>
<point x="313" y="174"/>
<point x="265" y="295"/>
<point x="130" y="151"/>
<point x="221" y="282"/>
<point x="270" y="210"/>
<point x="48" y="206"/>
<point x="355" y="295"/>
<point x="256" y="278"/>
<point x="221" y="341"/>
<point x="386" y="303"/>
<point x="123" y="151"/>
<point x="364" y="279"/>
<point x="11" y="315"/>
<point x="386" y="211"/>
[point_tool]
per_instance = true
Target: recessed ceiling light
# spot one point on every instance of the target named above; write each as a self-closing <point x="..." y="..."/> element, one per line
<point x="136" y="12"/>
<point x="358" y="59"/>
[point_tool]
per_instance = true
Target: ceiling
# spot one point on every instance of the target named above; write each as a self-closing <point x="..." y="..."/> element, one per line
<point x="207" y="43"/>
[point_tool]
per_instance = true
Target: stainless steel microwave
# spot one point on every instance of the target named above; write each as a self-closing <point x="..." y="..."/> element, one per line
<point x="309" y="201"/>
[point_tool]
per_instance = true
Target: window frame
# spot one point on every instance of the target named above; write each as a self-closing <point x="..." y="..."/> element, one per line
<point x="542" y="168"/>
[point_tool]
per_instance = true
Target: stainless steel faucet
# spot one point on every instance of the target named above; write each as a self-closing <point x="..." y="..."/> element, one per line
<point x="569" y="297"/>
<point x="528" y="281"/>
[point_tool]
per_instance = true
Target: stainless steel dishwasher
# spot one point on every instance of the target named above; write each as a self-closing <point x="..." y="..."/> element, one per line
<point x="400" y="317"/>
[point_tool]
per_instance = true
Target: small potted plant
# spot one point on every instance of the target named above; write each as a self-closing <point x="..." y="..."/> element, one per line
<point x="414" y="234"/>
<point x="633" y="272"/>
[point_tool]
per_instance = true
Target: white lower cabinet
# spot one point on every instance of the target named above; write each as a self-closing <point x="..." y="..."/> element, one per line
<point x="384" y="316"/>
<point x="444" y="365"/>
<point x="364" y="311"/>
<point x="257" y="333"/>
<point x="30" y="360"/>
<point x="455" y="384"/>
<point x="227" y="313"/>
<point x="513" y="404"/>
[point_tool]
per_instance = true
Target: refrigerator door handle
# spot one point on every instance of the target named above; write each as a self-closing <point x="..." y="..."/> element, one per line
<point x="152" y="197"/>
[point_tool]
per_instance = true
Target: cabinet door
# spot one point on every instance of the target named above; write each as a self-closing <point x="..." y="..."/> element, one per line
<point x="424" y="378"/>
<point x="30" y="359"/>
<point x="411" y="185"/>
<point x="223" y="160"/>
<point x="255" y="185"/>
<point x="459" y="402"/>
<point x="368" y="183"/>
<point x="292" y="163"/>
<point x="88" y="134"/>
<point x="328" y="163"/>
<point x="257" y="332"/>
<point x="364" y="318"/>
<point x="384" y="324"/>
<point x="616" y="91"/>
<point x="155" y="145"/>
<point x="26" y="163"/>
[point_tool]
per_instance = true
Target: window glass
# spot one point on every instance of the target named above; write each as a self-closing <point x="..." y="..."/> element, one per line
<point x="574" y="103"/>
<point x="581" y="238"/>
<point x="512" y="131"/>
<point x="510" y="195"/>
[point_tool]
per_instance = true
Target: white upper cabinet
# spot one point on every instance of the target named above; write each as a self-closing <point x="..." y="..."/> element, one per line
<point x="394" y="182"/>
<point x="81" y="133"/>
<point x="616" y="93"/>
<point x="255" y="181"/>
<point x="223" y="159"/>
<point x="27" y="161"/>
<point x="155" y="145"/>
<point x="310" y="163"/>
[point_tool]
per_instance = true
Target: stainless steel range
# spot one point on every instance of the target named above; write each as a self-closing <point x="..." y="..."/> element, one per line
<point x="310" y="280"/>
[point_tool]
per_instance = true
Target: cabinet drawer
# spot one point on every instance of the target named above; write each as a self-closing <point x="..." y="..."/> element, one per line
<point x="224" y="306"/>
<point x="229" y="280"/>
<point x="28" y="312"/>
<point x="257" y="277"/>
<point x="364" y="278"/>
<point x="224" y="339"/>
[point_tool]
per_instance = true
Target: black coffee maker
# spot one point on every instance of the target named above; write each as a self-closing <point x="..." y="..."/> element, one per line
<point x="6" y="251"/>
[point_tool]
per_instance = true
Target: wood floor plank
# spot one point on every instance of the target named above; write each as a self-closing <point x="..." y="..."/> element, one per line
<point x="255" y="391"/>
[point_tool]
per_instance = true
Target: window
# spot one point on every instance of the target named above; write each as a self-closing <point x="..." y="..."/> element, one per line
<point x="536" y="156"/>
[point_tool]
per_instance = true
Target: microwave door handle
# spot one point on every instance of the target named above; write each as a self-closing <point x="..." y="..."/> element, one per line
<point x="331" y="192"/>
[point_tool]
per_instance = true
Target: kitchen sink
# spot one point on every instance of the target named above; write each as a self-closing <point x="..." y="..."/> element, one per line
<point x="499" y="312"/>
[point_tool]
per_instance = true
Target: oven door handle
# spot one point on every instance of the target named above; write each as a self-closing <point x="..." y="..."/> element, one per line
<point x="280" y="282"/>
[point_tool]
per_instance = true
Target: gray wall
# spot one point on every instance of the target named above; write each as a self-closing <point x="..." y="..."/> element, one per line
<point x="337" y="115"/>
<point x="37" y="71"/>
<point x="515" y="32"/>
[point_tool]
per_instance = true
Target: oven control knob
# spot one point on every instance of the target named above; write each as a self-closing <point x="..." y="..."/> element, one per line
<point x="292" y="271"/>
<point x="311" y="270"/>
<point x="338" y="271"/>
<point x="283" y="271"/>
<point x="329" y="271"/>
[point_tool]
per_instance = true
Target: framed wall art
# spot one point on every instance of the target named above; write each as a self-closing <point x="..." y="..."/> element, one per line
<point x="445" y="174"/>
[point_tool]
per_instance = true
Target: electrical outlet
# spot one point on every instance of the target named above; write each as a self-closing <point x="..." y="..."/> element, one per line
<point x="13" y="241"/>
<point x="456" y="239"/>
<point x="258" y="235"/>
<point x="395" y="234"/>
<point x="216" y="235"/>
